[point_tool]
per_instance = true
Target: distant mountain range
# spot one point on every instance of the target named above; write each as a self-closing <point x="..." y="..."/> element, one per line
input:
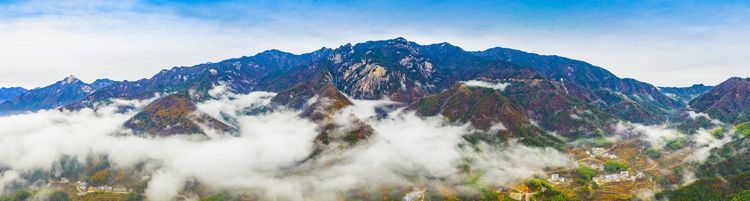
<point x="67" y="91"/>
<point x="544" y="93"/>
<point x="685" y="94"/>
<point x="10" y="93"/>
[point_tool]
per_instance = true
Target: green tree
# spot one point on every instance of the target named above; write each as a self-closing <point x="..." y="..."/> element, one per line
<point x="18" y="196"/>
<point x="652" y="153"/>
<point x="534" y="184"/>
<point x="743" y="129"/>
<point x="59" y="196"/>
<point x="585" y="174"/>
<point x="676" y="143"/>
<point x="100" y="177"/>
<point x="216" y="197"/>
<point x="558" y="197"/>
<point x="717" y="132"/>
<point x="613" y="166"/>
<point x="741" y="196"/>
<point x="22" y="195"/>
<point x="134" y="197"/>
<point x="7" y="198"/>
<point x="551" y="195"/>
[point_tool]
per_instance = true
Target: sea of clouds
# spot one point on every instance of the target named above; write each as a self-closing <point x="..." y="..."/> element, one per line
<point x="271" y="155"/>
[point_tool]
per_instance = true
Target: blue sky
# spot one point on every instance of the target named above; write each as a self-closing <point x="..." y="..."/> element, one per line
<point x="667" y="43"/>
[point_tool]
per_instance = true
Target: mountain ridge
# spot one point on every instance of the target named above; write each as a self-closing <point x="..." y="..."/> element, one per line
<point x="66" y="91"/>
<point x="10" y="92"/>
<point x="685" y="94"/>
<point x="728" y="101"/>
<point x="400" y="70"/>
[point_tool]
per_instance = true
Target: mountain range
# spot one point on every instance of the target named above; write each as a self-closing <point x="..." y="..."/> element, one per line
<point x="685" y="94"/>
<point x="502" y="94"/>
<point x="544" y="93"/>
<point x="10" y="92"/>
<point x="66" y="91"/>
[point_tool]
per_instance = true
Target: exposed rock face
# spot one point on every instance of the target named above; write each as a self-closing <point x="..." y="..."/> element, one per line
<point x="405" y="72"/>
<point x="171" y="115"/>
<point x="728" y="101"/>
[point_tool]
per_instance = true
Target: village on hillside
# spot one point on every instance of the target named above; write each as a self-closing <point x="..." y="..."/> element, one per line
<point x="613" y="172"/>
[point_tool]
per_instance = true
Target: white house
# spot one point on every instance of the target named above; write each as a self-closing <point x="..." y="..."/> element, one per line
<point x="415" y="195"/>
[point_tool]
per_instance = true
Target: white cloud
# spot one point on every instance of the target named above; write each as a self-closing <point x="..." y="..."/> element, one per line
<point x="656" y="135"/>
<point x="267" y="157"/>
<point x="701" y="142"/>
<point x="479" y="83"/>
<point x="704" y="142"/>
<point x="497" y="126"/>
<point x="164" y="185"/>
<point x="515" y="161"/>
<point x="9" y="178"/>
<point x="695" y="115"/>
<point x="94" y="39"/>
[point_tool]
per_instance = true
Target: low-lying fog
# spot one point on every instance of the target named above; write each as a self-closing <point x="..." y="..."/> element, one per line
<point x="269" y="154"/>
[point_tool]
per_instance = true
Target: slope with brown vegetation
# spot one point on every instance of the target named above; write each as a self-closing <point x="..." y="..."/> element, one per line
<point x="171" y="115"/>
<point x="728" y="101"/>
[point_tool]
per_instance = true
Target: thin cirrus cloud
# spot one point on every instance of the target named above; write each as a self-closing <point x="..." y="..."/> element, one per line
<point x="691" y="41"/>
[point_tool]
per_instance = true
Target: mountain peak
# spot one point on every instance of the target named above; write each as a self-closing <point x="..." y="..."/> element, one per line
<point x="70" y="79"/>
<point x="103" y="80"/>
<point x="101" y="83"/>
<point x="736" y="79"/>
<point x="400" y="39"/>
<point x="275" y="52"/>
